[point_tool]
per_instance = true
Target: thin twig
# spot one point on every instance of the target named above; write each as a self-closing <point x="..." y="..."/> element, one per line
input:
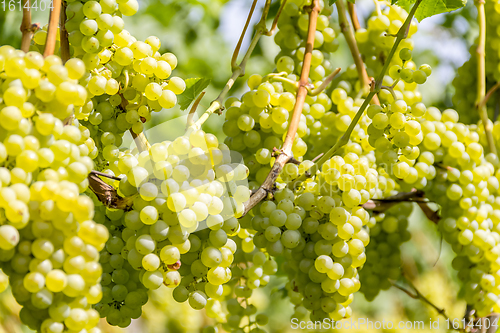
<point x="50" y="43"/>
<point x="216" y="105"/>
<point x="353" y="13"/>
<point x="105" y="175"/>
<point x="391" y="90"/>
<point x="63" y="35"/>
<point x="375" y="87"/>
<point x="193" y="110"/>
<point x="240" y="41"/>
<point x="416" y="294"/>
<point x="481" y="76"/>
<point x="26" y="28"/>
<point x="317" y="157"/>
<point x="488" y="95"/>
<point x="274" y="26"/>
<point x="324" y="84"/>
<point x="346" y="28"/>
<point x="286" y="151"/>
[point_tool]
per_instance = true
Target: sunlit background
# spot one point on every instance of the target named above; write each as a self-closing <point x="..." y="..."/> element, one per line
<point x="203" y="34"/>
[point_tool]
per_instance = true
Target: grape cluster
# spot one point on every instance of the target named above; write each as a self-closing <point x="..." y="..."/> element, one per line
<point x="132" y="80"/>
<point x="291" y="38"/>
<point x="96" y="25"/>
<point x="49" y="243"/>
<point x="377" y="39"/>
<point x="123" y="293"/>
<point x="185" y="197"/>
<point x="257" y="125"/>
<point x="466" y="185"/>
<point x="388" y="231"/>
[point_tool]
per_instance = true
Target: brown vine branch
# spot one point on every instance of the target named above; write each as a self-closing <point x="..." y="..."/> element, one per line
<point x="481" y="76"/>
<point x="63" y="35"/>
<point x="286" y="151"/>
<point x="381" y="205"/>
<point x="353" y="13"/>
<point x="242" y="36"/>
<point x="50" y="43"/>
<point x="375" y="87"/>
<point x="346" y="29"/>
<point x="27" y="29"/>
<point x="102" y="174"/>
<point x="107" y="194"/>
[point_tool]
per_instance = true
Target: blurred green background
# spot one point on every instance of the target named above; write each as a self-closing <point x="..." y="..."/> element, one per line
<point x="203" y="33"/>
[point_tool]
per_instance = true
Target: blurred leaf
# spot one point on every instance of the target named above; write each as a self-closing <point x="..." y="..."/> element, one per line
<point x="430" y="8"/>
<point x="194" y="87"/>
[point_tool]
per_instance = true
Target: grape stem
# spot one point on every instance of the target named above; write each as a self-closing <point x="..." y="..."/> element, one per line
<point x="286" y="150"/>
<point x="353" y="13"/>
<point x="274" y="26"/>
<point x="193" y="110"/>
<point x="488" y="95"/>
<point x="27" y="28"/>
<point x="50" y="43"/>
<point x="391" y="90"/>
<point x="102" y="174"/>
<point x="234" y="59"/>
<point x="63" y="35"/>
<point x="324" y="84"/>
<point x="375" y="87"/>
<point x="239" y="70"/>
<point x="346" y="29"/>
<point x="481" y="76"/>
<point x="416" y="294"/>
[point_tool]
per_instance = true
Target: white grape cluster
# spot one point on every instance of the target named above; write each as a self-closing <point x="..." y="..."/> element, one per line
<point x="466" y="185"/>
<point x="257" y="125"/>
<point x="49" y="243"/>
<point x="388" y="231"/>
<point x="376" y="40"/>
<point x="96" y="25"/>
<point x="291" y="37"/>
<point x="131" y="81"/>
<point x="186" y="195"/>
<point x="123" y="293"/>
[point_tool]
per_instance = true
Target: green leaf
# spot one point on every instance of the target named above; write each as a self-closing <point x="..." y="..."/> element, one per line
<point x="430" y="8"/>
<point x="194" y="87"/>
<point x="332" y="2"/>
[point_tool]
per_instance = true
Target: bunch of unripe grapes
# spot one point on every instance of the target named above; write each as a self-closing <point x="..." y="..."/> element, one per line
<point x="257" y="124"/>
<point x="293" y="25"/>
<point x="388" y="231"/>
<point x="96" y="25"/>
<point x="132" y="81"/>
<point x="123" y="293"/>
<point x="466" y="186"/>
<point x="50" y="244"/>
<point x="190" y="184"/>
<point x="377" y="39"/>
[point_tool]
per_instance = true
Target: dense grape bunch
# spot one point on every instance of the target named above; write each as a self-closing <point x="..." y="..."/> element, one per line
<point x="387" y="232"/>
<point x="48" y="241"/>
<point x="132" y="80"/>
